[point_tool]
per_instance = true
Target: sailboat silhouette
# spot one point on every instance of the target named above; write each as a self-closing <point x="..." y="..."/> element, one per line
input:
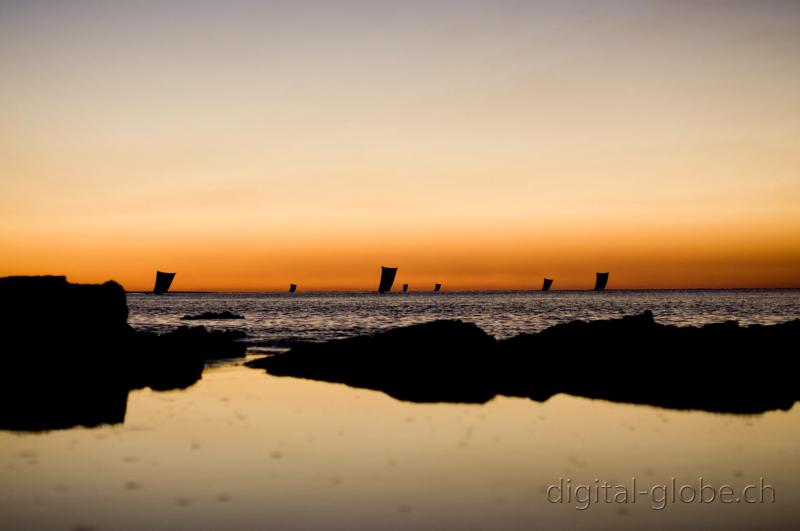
<point x="600" y="283"/>
<point x="387" y="279"/>
<point x="163" y="282"/>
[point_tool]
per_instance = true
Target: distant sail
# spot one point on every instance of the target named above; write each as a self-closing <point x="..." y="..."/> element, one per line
<point x="405" y="288"/>
<point x="387" y="279"/>
<point x="437" y="287"/>
<point x="547" y="283"/>
<point x="292" y="288"/>
<point x="600" y="283"/>
<point x="163" y="282"/>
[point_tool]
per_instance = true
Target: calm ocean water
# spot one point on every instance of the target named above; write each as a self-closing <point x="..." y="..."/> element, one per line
<point x="275" y="319"/>
<point x="243" y="450"/>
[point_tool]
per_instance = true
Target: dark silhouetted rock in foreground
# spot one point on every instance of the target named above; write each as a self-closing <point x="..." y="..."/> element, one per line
<point x="63" y="349"/>
<point x="47" y="311"/>
<point x="717" y="367"/>
<point x="212" y="315"/>
<point x="70" y="358"/>
<point x="441" y="361"/>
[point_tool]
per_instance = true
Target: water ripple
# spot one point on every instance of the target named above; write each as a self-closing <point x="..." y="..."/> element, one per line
<point x="277" y="319"/>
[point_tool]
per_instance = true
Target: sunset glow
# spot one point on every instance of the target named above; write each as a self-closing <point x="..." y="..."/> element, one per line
<point x="484" y="145"/>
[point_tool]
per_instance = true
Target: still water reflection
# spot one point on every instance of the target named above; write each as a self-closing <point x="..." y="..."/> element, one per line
<point x="244" y="450"/>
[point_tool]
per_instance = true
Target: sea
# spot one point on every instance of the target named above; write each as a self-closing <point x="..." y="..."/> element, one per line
<point x="244" y="450"/>
<point x="275" y="320"/>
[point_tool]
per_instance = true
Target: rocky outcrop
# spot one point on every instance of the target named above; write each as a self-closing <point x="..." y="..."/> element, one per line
<point x="718" y="367"/>
<point x="40" y="313"/>
<point x="441" y="361"/>
<point x="70" y="358"/>
<point x="206" y="316"/>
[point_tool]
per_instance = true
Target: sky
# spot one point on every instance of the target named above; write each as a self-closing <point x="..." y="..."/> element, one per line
<point x="480" y="144"/>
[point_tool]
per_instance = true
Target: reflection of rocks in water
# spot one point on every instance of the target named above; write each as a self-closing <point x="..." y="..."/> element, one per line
<point x="61" y="346"/>
<point x="70" y="357"/>
<point x="718" y="367"/>
<point x="56" y="405"/>
<point x="442" y="361"/>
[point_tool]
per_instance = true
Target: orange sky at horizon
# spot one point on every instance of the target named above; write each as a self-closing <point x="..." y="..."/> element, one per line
<point x="483" y="145"/>
<point x="218" y="263"/>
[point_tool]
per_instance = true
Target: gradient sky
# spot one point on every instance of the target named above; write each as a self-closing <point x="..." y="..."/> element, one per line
<point x="483" y="145"/>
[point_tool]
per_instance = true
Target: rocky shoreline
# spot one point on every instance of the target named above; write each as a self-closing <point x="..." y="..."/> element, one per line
<point x="720" y="367"/>
<point x="210" y="316"/>
<point x="70" y="358"/>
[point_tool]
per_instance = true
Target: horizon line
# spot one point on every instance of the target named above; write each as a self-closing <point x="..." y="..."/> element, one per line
<point x="521" y="290"/>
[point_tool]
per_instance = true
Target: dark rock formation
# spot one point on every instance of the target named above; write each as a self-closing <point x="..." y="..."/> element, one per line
<point x="48" y="311"/>
<point x="70" y="358"/>
<point x="718" y="367"/>
<point x="62" y="345"/>
<point x="204" y="344"/>
<point x="211" y="315"/>
<point x="441" y="361"/>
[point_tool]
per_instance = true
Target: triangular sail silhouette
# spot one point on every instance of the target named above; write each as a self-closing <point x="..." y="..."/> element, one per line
<point x="405" y="288"/>
<point x="292" y="288"/>
<point x="163" y="282"/>
<point x="437" y="287"/>
<point x="547" y="283"/>
<point x="600" y="283"/>
<point x="387" y="279"/>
